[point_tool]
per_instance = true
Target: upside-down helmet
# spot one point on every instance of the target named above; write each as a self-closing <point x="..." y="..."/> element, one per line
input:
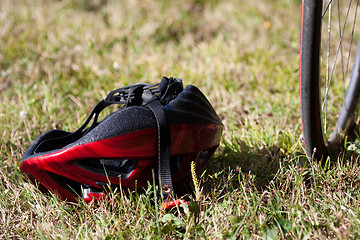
<point x="162" y="127"/>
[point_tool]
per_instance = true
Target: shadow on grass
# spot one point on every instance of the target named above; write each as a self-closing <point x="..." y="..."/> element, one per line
<point x="237" y="161"/>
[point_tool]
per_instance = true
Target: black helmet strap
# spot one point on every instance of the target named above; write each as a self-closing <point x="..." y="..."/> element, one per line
<point x="169" y="88"/>
<point x="164" y="143"/>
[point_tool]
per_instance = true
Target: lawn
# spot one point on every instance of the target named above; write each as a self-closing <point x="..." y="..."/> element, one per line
<point x="59" y="58"/>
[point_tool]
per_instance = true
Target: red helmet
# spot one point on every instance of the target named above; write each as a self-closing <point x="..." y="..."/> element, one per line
<point x="162" y="127"/>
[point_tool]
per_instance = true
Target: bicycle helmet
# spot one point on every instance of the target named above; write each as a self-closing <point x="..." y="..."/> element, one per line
<point x="162" y="127"/>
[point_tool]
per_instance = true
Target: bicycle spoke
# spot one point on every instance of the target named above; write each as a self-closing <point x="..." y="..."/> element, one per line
<point x="327" y="79"/>
<point x="326" y="8"/>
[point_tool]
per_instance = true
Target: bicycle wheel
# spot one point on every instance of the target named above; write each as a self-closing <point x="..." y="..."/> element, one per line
<point x="329" y="89"/>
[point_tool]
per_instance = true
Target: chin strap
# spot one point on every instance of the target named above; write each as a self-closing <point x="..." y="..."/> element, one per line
<point x="164" y="143"/>
<point x="169" y="88"/>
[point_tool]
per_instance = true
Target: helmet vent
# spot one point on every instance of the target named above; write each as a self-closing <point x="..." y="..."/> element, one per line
<point x="204" y="156"/>
<point x="68" y="184"/>
<point x="109" y="167"/>
<point x="175" y="163"/>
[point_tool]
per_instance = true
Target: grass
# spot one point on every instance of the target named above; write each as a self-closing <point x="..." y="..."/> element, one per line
<point x="59" y="58"/>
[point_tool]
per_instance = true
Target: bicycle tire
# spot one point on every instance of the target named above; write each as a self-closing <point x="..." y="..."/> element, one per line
<point x="317" y="121"/>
